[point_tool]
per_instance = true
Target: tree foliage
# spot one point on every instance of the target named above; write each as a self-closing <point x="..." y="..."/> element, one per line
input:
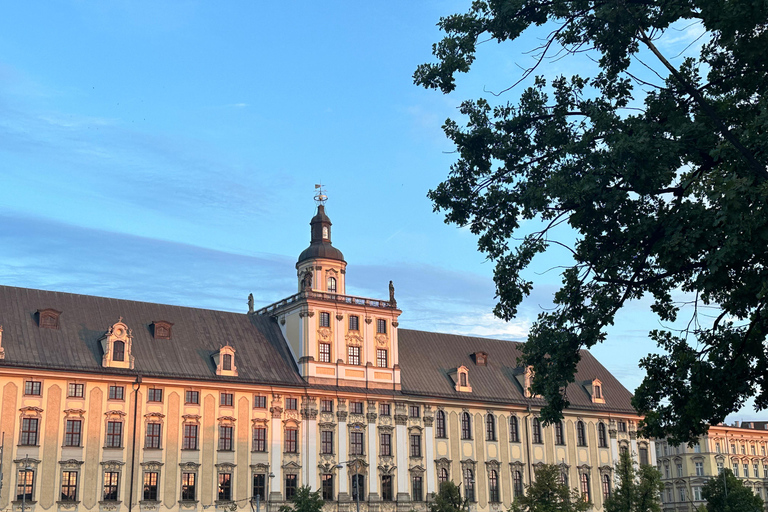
<point x="664" y="185"/>
<point x="635" y="491"/>
<point x="448" y="499"/>
<point x="305" y="501"/>
<point x="549" y="494"/>
<point x="726" y="493"/>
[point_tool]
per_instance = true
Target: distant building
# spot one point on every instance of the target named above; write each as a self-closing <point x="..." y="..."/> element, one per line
<point x="112" y="404"/>
<point x="685" y="470"/>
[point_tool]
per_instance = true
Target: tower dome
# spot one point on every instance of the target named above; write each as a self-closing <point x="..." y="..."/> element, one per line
<point x="320" y="246"/>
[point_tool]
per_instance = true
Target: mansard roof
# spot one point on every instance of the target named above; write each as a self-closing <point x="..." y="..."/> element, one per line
<point x="428" y="358"/>
<point x="262" y="354"/>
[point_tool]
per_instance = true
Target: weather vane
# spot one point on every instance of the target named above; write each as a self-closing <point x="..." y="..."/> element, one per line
<point x="320" y="196"/>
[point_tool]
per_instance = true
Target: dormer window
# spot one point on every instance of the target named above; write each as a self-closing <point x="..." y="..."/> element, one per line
<point x="161" y="330"/>
<point x="481" y="358"/>
<point x="48" y="318"/>
<point x="117" y="343"/>
<point x="225" y="361"/>
<point x="461" y="377"/>
<point x="595" y="389"/>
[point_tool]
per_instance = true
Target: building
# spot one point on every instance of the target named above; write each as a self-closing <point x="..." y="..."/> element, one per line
<point x="113" y="404"/>
<point x="685" y="470"/>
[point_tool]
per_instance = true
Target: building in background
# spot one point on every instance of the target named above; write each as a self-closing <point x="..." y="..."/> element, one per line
<point x="112" y="404"/>
<point x="685" y="470"/>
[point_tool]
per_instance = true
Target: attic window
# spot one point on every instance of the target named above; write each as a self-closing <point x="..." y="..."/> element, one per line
<point x="481" y="358"/>
<point x="595" y="389"/>
<point x="225" y="361"/>
<point x="161" y="330"/>
<point x="48" y="318"/>
<point x="461" y="379"/>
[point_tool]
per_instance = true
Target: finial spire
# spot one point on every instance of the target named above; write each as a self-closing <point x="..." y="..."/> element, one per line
<point x="320" y="197"/>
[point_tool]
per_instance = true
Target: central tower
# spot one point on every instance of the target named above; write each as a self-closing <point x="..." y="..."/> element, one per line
<point x="336" y="338"/>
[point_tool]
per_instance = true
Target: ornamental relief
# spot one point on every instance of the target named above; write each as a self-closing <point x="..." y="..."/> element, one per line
<point x="354" y="339"/>
<point x="324" y="334"/>
<point x="381" y="340"/>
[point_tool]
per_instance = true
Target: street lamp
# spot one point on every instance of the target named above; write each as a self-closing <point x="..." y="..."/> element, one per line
<point x="356" y="484"/>
<point x="27" y="469"/>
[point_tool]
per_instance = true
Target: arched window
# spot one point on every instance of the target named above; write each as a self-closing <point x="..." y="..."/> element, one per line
<point x="118" y="348"/>
<point x="331" y="284"/>
<point x="513" y="431"/>
<point x="559" y="437"/>
<point x="493" y="486"/>
<point x="490" y="427"/>
<point x="443" y="476"/>
<point x="469" y="485"/>
<point x="226" y="362"/>
<point x="581" y="433"/>
<point x="466" y="426"/>
<point x="518" y="484"/>
<point x="601" y="437"/>
<point x="463" y="379"/>
<point x="606" y="487"/>
<point x="440" y="424"/>
<point x="585" y="486"/>
<point x="536" y="431"/>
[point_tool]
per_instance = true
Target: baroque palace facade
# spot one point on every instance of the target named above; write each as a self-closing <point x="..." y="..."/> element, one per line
<point x="119" y="405"/>
<point x="685" y="470"/>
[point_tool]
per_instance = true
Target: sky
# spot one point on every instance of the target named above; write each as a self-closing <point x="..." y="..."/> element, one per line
<point x="168" y="151"/>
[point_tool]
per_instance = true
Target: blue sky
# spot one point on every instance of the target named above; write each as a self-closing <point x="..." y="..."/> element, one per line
<point x="167" y="152"/>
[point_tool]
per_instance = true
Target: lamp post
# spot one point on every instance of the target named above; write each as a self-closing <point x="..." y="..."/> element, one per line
<point x="356" y="483"/>
<point x="27" y="469"/>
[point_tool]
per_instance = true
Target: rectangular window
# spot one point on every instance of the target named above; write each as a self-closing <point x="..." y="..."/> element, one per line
<point x="116" y="393"/>
<point x="756" y="472"/>
<point x="559" y="439"/>
<point x="325" y="352"/>
<point x="622" y="426"/>
<point x="32" y="387"/>
<point x="114" y="434"/>
<point x="415" y="445"/>
<point x="765" y="471"/>
<point x="28" y="432"/>
<point x="413" y="411"/>
<point x="152" y="439"/>
<point x="356" y="407"/>
<point x="643" y="453"/>
<point x="735" y="470"/>
<point x="192" y="397"/>
<point x="381" y="326"/>
<point x="356" y="443"/>
<point x="417" y="489"/>
<point x="720" y="468"/>
<point x="381" y="358"/>
<point x="225" y="487"/>
<point x="699" y="469"/>
<point x="386" y="487"/>
<point x="25" y="486"/>
<point x="154" y="395"/>
<point x="354" y="323"/>
<point x="111" y="480"/>
<point x="386" y="445"/>
<point x="291" y="404"/>
<point x="326" y="442"/>
<point x="384" y="410"/>
<point x="681" y="492"/>
<point x="150" y="486"/>
<point x="75" y="390"/>
<point x="353" y="355"/>
<point x="259" y="487"/>
<point x="679" y="470"/>
<point x="291" y="436"/>
<point x="190" y="437"/>
<point x="72" y="432"/>
<point x="697" y="493"/>
<point x="260" y="439"/>
<point x="327" y="486"/>
<point x="746" y="470"/>
<point x="225" y="438"/>
<point x="290" y="487"/>
<point x="188" y="491"/>
<point x="326" y="405"/>
<point x="69" y="486"/>
<point x="259" y="402"/>
<point x="226" y="399"/>
<point x="325" y="319"/>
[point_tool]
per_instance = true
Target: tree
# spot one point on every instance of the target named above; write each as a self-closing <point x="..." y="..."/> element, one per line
<point x="663" y="185"/>
<point x="726" y="493"/>
<point x="549" y="494"/>
<point x="448" y="499"/>
<point x="635" y="492"/>
<point x="305" y="501"/>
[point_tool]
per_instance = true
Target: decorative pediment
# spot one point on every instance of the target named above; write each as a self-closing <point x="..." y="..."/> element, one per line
<point x="74" y="413"/>
<point x="189" y="466"/>
<point x="71" y="464"/>
<point x="387" y="469"/>
<point x="493" y="464"/>
<point x="152" y="465"/>
<point x="260" y="467"/>
<point x="326" y="425"/>
<point x="115" y="414"/>
<point x="30" y="412"/>
<point x="112" y="465"/>
<point x="226" y="467"/>
<point x="328" y="468"/>
<point x="154" y="416"/>
<point x="418" y="468"/>
<point x="291" y="467"/>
